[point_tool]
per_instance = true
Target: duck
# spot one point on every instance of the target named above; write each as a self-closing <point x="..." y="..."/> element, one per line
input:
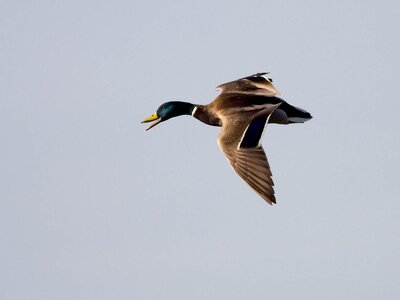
<point x="243" y="109"/>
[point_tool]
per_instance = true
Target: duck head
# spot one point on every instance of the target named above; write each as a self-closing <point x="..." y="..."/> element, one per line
<point x="169" y="110"/>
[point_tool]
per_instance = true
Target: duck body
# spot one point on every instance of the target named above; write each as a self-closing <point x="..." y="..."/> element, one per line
<point x="236" y="105"/>
<point x="243" y="109"/>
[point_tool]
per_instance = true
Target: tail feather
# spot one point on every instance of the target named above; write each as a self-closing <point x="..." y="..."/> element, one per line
<point x="300" y="116"/>
<point x="287" y="114"/>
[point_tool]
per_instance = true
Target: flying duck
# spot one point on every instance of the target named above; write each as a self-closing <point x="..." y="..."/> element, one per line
<point x="243" y="109"/>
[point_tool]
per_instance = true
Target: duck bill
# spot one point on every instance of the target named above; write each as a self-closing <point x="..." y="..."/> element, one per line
<point x="153" y="117"/>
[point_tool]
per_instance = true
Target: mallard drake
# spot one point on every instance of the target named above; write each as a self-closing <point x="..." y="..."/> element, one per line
<point x="243" y="108"/>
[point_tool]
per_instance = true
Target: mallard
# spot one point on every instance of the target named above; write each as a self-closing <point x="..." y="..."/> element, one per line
<point x="243" y="109"/>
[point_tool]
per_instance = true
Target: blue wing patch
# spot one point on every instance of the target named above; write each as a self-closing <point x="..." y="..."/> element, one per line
<point x="253" y="133"/>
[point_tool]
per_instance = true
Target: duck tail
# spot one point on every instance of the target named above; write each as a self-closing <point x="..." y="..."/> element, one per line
<point x="288" y="114"/>
<point x="299" y="115"/>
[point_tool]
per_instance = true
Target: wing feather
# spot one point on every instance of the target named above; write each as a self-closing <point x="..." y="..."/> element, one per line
<point x="250" y="163"/>
<point x="256" y="84"/>
<point x="257" y="175"/>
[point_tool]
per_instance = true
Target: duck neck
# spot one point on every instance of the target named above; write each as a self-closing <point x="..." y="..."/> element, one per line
<point x="185" y="108"/>
<point x="205" y="115"/>
<point x="200" y="112"/>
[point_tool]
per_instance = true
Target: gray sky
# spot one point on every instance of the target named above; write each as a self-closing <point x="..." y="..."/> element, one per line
<point x="94" y="207"/>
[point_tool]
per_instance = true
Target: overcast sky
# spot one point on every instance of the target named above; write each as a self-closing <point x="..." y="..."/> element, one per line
<point x="94" y="207"/>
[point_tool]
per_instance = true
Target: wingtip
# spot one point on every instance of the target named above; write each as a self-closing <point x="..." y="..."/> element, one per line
<point x="270" y="199"/>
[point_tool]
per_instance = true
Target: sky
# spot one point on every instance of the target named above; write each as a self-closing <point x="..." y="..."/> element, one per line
<point x="94" y="207"/>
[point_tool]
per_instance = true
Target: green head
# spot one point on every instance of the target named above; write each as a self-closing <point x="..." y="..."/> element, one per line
<point x="169" y="110"/>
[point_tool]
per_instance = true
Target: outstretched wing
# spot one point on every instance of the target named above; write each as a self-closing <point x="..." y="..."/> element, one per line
<point x="240" y="141"/>
<point x="257" y="84"/>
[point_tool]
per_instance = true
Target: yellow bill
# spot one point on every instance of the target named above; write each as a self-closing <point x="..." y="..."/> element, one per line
<point x="153" y="117"/>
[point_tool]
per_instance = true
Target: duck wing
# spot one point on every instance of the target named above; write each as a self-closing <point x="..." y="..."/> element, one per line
<point x="257" y="84"/>
<point x="240" y="141"/>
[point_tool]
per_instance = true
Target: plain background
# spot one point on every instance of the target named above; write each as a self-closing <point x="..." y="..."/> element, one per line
<point x="94" y="207"/>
